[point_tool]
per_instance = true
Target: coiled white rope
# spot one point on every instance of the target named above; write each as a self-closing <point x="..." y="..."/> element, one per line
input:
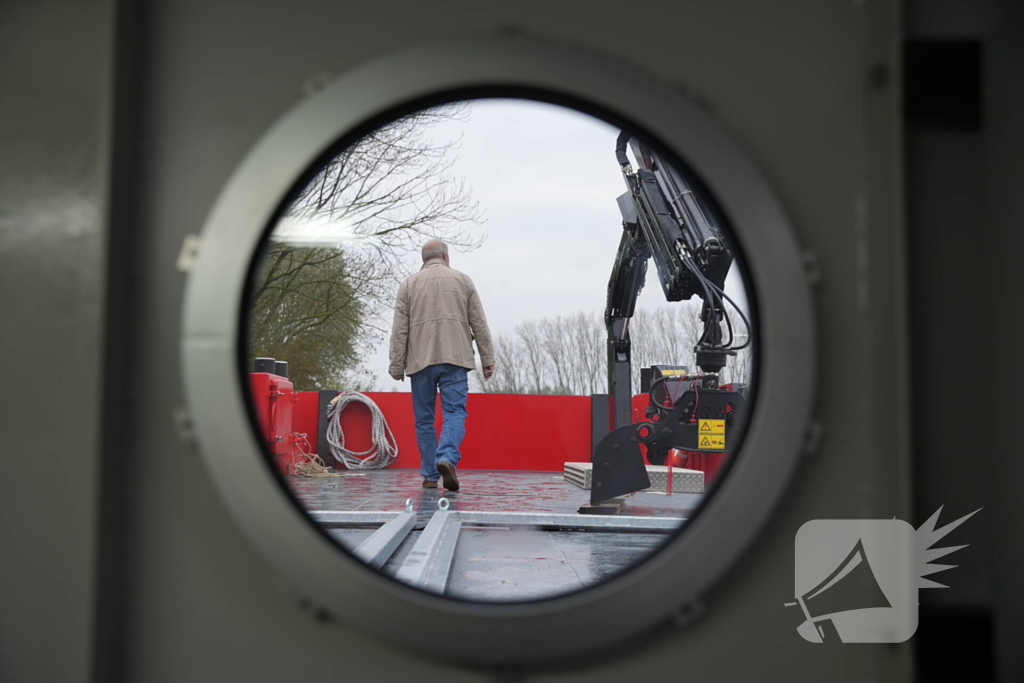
<point x="384" y="449"/>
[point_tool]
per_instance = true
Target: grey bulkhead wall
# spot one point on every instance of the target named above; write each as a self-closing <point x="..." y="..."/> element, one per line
<point x="792" y="80"/>
<point x="55" y="90"/>
<point x="1003" y="113"/>
<point x="194" y="601"/>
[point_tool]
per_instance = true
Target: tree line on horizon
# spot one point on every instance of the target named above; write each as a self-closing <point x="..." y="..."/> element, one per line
<point x="567" y="354"/>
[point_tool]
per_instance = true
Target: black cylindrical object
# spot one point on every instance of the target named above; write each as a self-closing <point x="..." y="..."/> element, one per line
<point x="620" y="148"/>
<point x="264" y="365"/>
<point x="281" y="368"/>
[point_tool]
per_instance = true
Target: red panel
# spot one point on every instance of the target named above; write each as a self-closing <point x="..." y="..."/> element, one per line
<point x="522" y="432"/>
<point x="259" y="392"/>
<point x="282" y="399"/>
<point x="273" y="399"/>
<point x="503" y="431"/>
<point x="306" y="420"/>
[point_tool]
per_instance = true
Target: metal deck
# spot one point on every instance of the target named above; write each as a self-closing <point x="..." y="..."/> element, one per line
<point x="506" y="535"/>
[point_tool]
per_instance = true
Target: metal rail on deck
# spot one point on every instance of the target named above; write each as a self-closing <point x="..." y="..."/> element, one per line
<point x="430" y="561"/>
<point x="343" y="518"/>
<point x="383" y="542"/>
<point x="545" y="520"/>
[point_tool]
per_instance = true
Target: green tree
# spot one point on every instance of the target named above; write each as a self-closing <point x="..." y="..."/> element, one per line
<point x="307" y="309"/>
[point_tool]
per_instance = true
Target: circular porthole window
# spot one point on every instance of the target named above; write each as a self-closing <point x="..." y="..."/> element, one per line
<point x="502" y="344"/>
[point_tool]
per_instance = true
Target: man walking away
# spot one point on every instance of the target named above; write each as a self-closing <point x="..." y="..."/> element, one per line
<point x="438" y="314"/>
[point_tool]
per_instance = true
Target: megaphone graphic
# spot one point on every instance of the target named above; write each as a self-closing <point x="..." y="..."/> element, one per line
<point x="851" y="586"/>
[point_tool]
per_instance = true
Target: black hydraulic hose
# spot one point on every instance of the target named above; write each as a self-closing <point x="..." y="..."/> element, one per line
<point x="620" y="148"/>
<point x="728" y="325"/>
<point x="722" y="297"/>
<point x="711" y="325"/>
<point x="746" y="323"/>
<point x="666" y="378"/>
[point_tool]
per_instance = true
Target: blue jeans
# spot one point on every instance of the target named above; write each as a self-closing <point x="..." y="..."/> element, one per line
<point x="453" y="381"/>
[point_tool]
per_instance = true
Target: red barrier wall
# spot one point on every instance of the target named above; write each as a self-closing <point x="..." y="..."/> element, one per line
<point x="306" y="420"/>
<point x="503" y="431"/>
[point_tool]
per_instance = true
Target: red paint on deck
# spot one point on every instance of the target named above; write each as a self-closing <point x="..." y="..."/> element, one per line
<point x="708" y="463"/>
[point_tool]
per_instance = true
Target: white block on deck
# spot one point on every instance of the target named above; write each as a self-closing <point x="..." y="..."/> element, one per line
<point x="683" y="480"/>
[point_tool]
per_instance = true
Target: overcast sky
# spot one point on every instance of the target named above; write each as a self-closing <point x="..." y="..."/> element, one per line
<point x="547" y="179"/>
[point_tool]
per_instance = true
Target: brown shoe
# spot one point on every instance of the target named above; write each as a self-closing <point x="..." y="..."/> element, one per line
<point x="429" y="484"/>
<point x="447" y="470"/>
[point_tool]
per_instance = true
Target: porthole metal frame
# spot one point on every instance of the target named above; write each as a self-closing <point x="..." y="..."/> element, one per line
<point x="575" y="623"/>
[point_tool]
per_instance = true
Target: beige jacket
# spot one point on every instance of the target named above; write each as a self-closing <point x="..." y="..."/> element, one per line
<point x="438" y="314"/>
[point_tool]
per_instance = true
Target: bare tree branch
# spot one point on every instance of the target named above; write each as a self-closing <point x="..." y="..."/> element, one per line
<point x="322" y="308"/>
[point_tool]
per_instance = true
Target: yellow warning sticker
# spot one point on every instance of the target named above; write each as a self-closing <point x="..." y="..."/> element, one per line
<point x="673" y="372"/>
<point x="713" y="441"/>
<point x="710" y="427"/>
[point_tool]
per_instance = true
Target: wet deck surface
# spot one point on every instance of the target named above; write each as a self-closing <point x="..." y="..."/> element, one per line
<point x="492" y="490"/>
<point x="500" y="563"/>
<point x="511" y="565"/>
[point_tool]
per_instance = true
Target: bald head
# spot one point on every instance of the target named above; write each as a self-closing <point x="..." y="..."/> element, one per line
<point x="434" y="249"/>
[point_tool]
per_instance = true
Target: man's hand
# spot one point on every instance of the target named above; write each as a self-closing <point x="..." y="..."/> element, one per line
<point x="398" y="378"/>
<point x="488" y="371"/>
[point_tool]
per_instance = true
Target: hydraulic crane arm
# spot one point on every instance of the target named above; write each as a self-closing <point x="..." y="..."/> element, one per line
<point x="663" y="219"/>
